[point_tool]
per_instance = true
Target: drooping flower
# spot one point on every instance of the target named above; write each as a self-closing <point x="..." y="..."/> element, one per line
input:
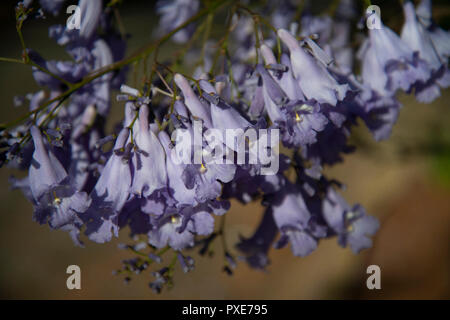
<point x="379" y="113"/>
<point x="439" y="37"/>
<point x="149" y="163"/>
<point x="110" y="193"/>
<point x="256" y="248"/>
<point x="195" y="106"/>
<point x="418" y="39"/>
<point x="90" y="12"/>
<point x="298" y="118"/>
<point x="352" y="225"/>
<point x="56" y="200"/>
<point x="313" y="77"/>
<point x="389" y="64"/>
<point x="292" y="216"/>
<point x="177" y="189"/>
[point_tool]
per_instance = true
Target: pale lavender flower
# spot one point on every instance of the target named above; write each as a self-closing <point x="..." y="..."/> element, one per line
<point x="198" y="109"/>
<point x="314" y="79"/>
<point x="418" y="39"/>
<point x="352" y="225"/>
<point x="110" y="193"/>
<point x="292" y="216"/>
<point x="389" y="64"/>
<point x="56" y="200"/>
<point x="149" y="163"/>
<point x="440" y="37"/>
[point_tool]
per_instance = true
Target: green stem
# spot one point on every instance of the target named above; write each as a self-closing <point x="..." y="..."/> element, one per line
<point x="12" y="60"/>
<point x="67" y="83"/>
<point x="22" y="41"/>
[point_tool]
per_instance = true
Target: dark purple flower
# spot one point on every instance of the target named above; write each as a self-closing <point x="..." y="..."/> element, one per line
<point x="52" y="6"/>
<point x="256" y="247"/>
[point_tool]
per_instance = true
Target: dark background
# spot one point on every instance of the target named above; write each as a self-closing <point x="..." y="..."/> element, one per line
<point x="404" y="181"/>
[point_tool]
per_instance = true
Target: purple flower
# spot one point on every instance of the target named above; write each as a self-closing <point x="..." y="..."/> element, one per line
<point x="177" y="189"/>
<point x="273" y="95"/>
<point x="303" y="121"/>
<point x="110" y="193"/>
<point x="439" y="37"/>
<point x="331" y="143"/>
<point x="292" y="216"/>
<point x="313" y="77"/>
<point x="56" y="200"/>
<point x="352" y="225"/>
<point x="149" y="163"/>
<point x="298" y="118"/>
<point x="52" y="6"/>
<point x="167" y="233"/>
<point x="196" y="107"/>
<point x="223" y="115"/>
<point x="101" y="86"/>
<point x="389" y="64"/>
<point x="379" y="113"/>
<point x="256" y="247"/>
<point x="90" y="12"/>
<point x="418" y="39"/>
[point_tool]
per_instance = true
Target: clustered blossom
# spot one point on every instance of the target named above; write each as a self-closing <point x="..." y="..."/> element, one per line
<point x="307" y="89"/>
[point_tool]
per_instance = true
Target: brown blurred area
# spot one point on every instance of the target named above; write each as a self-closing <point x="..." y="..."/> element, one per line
<point x="407" y="190"/>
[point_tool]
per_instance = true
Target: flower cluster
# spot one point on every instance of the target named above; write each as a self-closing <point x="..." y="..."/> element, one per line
<point x="291" y="71"/>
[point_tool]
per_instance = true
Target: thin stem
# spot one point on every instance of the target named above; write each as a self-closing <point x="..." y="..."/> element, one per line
<point x="165" y="83"/>
<point x="223" y="43"/>
<point x="258" y="18"/>
<point x="31" y="63"/>
<point x="120" y="24"/>
<point x="12" y="60"/>
<point x="158" y="90"/>
<point x="22" y="41"/>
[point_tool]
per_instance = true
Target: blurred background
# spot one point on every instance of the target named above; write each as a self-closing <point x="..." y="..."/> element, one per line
<point x="404" y="181"/>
